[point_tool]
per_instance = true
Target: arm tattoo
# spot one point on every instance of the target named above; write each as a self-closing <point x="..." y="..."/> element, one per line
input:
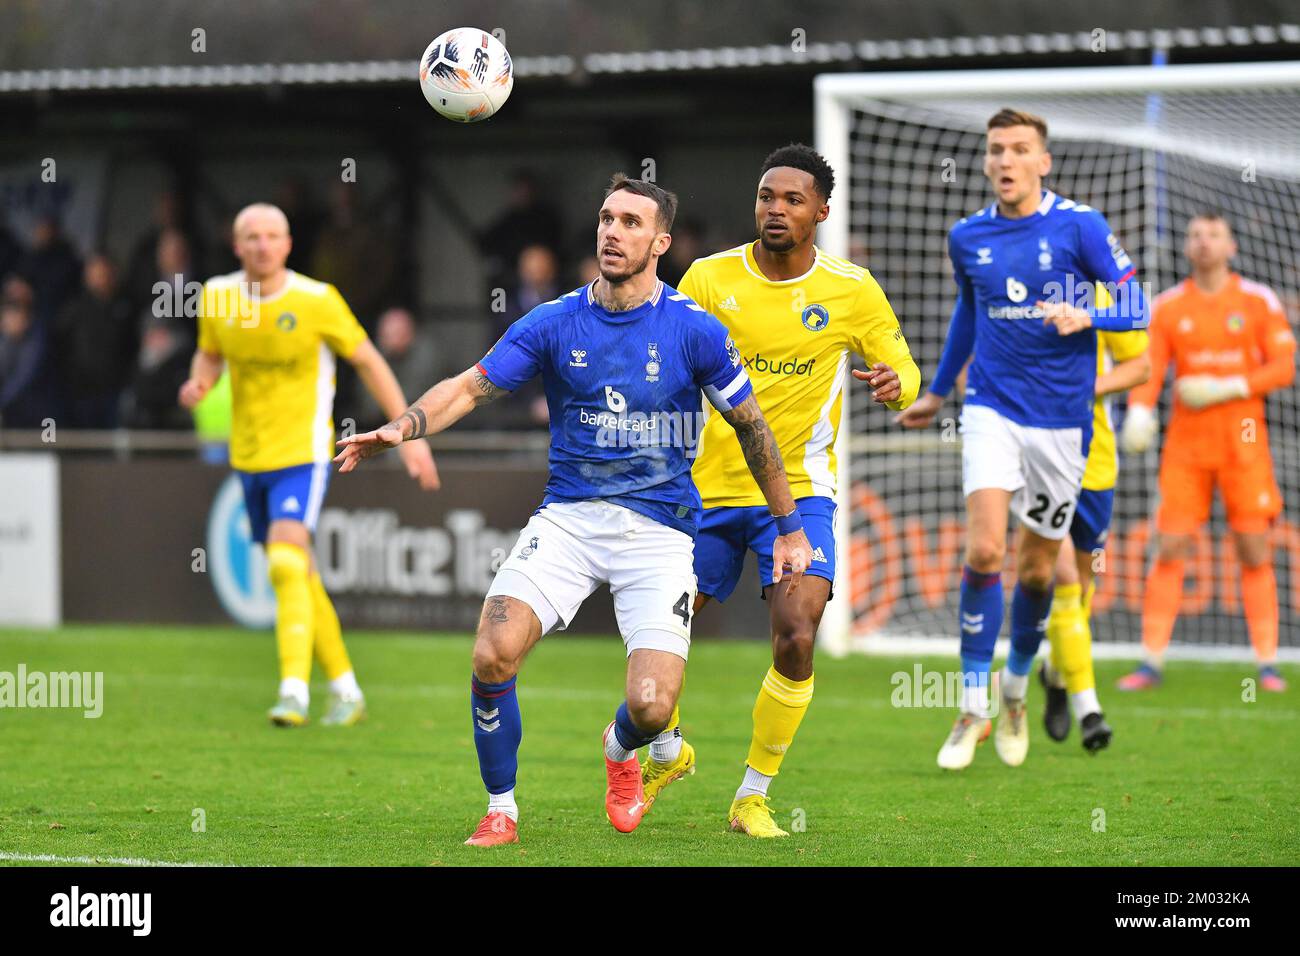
<point x="419" y="424"/>
<point x="488" y="391"/>
<point x="757" y="441"/>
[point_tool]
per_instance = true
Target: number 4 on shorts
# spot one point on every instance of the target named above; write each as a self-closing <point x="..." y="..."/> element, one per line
<point x="683" y="608"/>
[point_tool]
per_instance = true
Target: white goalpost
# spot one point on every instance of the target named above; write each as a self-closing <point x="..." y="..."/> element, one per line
<point x="1149" y="146"/>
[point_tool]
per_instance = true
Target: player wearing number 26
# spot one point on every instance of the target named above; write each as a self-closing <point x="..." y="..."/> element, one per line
<point x="623" y="362"/>
<point x="1027" y="268"/>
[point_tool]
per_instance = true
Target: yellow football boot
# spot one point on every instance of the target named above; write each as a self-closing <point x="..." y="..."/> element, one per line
<point x="752" y="815"/>
<point x="655" y="775"/>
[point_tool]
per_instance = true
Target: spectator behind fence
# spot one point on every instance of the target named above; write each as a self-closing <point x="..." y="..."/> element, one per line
<point x="52" y="268"/>
<point x="26" y="386"/>
<point x="413" y="357"/>
<point x="526" y="221"/>
<point x="95" y="344"/>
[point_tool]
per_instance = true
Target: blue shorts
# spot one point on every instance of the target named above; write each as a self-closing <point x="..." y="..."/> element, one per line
<point x="727" y="533"/>
<point x="1091" y="522"/>
<point x="293" y="494"/>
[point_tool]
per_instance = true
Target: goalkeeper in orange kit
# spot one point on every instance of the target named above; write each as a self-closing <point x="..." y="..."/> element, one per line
<point x="1230" y="344"/>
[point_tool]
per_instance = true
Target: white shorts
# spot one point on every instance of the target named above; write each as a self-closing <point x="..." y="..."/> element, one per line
<point x="1042" y="466"/>
<point x="568" y="549"/>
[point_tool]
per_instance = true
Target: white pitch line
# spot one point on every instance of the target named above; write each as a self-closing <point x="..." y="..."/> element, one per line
<point x="91" y="860"/>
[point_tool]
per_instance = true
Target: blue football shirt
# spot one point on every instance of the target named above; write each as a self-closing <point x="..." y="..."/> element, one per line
<point x="623" y="389"/>
<point x="1022" y="368"/>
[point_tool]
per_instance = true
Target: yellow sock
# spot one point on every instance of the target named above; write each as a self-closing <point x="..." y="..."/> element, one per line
<point x="330" y="651"/>
<point x="675" y="719"/>
<point x="1054" y="639"/>
<point x="1071" y="638"/>
<point x="778" y="712"/>
<point x="288" y="565"/>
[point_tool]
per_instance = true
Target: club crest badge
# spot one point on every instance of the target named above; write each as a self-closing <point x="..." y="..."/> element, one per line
<point x="815" y="317"/>
<point x="653" y="367"/>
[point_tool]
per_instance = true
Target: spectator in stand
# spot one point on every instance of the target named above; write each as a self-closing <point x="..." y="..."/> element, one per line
<point x="411" y="354"/>
<point x="11" y="249"/>
<point x="173" y="266"/>
<point x="95" y="345"/>
<point x="688" y="245"/>
<point x="52" y="268"/>
<point x="526" y="221"/>
<point x="588" y="270"/>
<point x="163" y="367"/>
<point x="142" y="266"/>
<point x="166" y="340"/>
<point x="294" y="196"/>
<point x="536" y="281"/>
<point x="27" y="395"/>
<point x="355" y="256"/>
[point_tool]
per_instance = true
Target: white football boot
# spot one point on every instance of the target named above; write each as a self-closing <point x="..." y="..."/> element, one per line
<point x="1012" y="737"/>
<point x="958" y="750"/>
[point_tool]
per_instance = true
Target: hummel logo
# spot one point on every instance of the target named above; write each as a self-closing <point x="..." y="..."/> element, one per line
<point x="985" y="256"/>
<point x="819" y="555"/>
<point x="482" y="716"/>
<point x="729" y="303"/>
<point x="579" y="359"/>
<point x="291" y="504"/>
<point x="972" y="623"/>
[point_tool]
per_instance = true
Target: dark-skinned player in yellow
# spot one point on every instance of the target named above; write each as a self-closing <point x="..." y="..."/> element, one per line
<point x="796" y="313"/>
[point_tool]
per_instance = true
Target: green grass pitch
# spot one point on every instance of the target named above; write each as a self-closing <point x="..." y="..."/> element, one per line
<point x="1195" y="776"/>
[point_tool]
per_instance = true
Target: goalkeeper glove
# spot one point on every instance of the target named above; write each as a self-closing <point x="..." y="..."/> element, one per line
<point x="1140" y="427"/>
<point x="1200" y="391"/>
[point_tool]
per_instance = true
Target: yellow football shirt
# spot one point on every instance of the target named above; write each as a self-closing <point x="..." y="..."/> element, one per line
<point x="794" y="337"/>
<point x="280" y="352"/>
<point x="1102" y="468"/>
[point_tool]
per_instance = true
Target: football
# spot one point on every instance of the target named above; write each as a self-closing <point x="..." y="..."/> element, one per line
<point x="466" y="74"/>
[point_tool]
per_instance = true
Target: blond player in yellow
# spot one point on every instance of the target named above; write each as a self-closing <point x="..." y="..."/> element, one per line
<point x="795" y="313"/>
<point x="1122" y="363"/>
<point x="279" y="333"/>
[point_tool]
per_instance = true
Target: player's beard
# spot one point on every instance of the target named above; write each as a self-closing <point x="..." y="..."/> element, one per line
<point x="779" y="244"/>
<point x="634" y="269"/>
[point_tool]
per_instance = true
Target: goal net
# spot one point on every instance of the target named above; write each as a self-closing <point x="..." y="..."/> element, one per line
<point x="1147" y="146"/>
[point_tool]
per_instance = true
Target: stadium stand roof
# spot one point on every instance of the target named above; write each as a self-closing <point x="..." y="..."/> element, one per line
<point x="825" y="54"/>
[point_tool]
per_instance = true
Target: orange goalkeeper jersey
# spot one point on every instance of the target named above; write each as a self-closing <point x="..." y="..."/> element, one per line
<point x="1239" y="330"/>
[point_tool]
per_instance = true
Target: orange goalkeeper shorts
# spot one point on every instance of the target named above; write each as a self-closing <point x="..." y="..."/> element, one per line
<point x="1250" y="496"/>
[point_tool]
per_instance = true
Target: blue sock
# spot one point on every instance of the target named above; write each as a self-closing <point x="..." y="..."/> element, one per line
<point x="1029" y="612"/>
<point x="498" y="729"/>
<point x="981" y="620"/>
<point x="629" y="735"/>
